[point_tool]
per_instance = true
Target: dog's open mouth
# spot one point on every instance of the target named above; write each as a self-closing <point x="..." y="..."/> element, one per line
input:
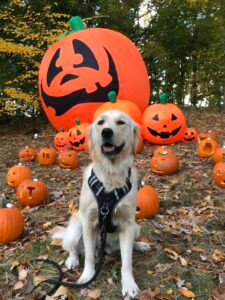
<point x="110" y="149"/>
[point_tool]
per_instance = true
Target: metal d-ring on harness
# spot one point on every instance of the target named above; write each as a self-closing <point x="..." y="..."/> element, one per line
<point x="107" y="202"/>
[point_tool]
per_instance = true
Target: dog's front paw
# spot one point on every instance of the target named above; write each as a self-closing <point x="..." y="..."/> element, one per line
<point x="129" y="287"/>
<point x="141" y="246"/>
<point x="86" y="275"/>
<point x="72" y="262"/>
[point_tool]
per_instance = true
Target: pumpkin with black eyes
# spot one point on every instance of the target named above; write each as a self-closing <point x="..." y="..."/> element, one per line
<point x="17" y="174"/>
<point x="68" y="160"/>
<point x="27" y="154"/>
<point x="47" y="156"/>
<point x="78" y="138"/>
<point x="163" y="123"/>
<point x="219" y="174"/>
<point x="164" y="163"/>
<point x="61" y="140"/>
<point x="190" y="135"/>
<point x="77" y="73"/>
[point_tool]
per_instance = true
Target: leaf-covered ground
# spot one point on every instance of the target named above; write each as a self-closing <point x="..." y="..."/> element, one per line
<point x="187" y="237"/>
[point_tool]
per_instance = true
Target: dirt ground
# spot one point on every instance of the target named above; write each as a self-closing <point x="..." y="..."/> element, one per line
<point x="187" y="237"/>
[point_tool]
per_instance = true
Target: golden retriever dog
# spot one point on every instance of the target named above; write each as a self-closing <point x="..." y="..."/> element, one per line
<point x="112" y="141"/>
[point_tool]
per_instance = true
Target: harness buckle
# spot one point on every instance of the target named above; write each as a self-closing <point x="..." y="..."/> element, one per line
<point x="104" y="211"/>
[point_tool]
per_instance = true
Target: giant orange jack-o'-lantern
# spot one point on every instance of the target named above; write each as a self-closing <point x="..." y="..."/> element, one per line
<point x="163" y="123"/>
<point x="78" y="71"/>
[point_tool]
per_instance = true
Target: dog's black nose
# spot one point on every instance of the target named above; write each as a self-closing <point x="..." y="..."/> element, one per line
<point x="107" y="133"/>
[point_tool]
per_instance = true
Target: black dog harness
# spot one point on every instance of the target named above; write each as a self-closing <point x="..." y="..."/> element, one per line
<point x="107" y="201"/>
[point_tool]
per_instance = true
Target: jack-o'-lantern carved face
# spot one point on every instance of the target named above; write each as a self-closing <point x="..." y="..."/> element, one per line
<point x="163" y="123"/>
<point x="219" y="174"/>
<point x="61" y="140"/>
<point x="78" y="71"/>
<point x="17" y="174"/>
<point x="68" y="160"/>
<point x="47" y="156"/>
<point x="78" y="138"/>
<point x="27" y="154"/>
<point x="190" y="135"/>
<point x="164" y="163"/>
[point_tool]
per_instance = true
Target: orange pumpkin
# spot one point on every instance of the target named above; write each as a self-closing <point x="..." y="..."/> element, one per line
<point x="190" y="135"/>
<point x="219" y="174"/>
<point x="163" y="123"/>
<point x="11" y="224"/>
<point x="219" y="154"/>
<point x="68" y="160"/>
<point x="147" y="202"/>
<point x="78" y="138"/>
<point x="61" y="140"/>
<point x="47" y="156"/>
<point x="140" y="145"/>
<point x="32" y="192"/>
<point x="207" y="147"/>
<point x="128" y="107"/>
<point x="77" y="73"/>
<point x="27" y="154"/>
<point x="206" y="134"/>
<point x="164" y="163"/>
<point x="17" y="174"/>
<point x="162" y="149"/>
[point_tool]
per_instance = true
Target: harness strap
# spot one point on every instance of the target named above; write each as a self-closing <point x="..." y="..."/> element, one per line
<point x="108" y="201"/>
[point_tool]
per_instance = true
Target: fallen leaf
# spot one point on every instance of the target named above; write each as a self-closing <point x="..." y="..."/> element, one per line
<point x="148" y="294"/>
<point x="56" y="242"/>
<point x="197" y="249"/>
<point x="22" y="273"/>
<point x="183" y="261"/>
<point x="46" y="225"/>
<point x="174" y="255"/>
<point x="94" y="294"/>
<point x="61" y="291"/>
<point x="187" y="293"/>
<point x="169" y="292"/>
<point x="196" y="229"/>
<point x="218" y="256"/>
<point x="15" y="263"/>
<point x="18" y="285"/>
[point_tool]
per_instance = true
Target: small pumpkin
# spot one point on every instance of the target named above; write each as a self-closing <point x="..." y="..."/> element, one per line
<point x="32" y="192"/>
<point x="219" y="154"/>
<point x="147" y="202"/>
<point x="128" y="107"/>
<point x="162" y="149"/>
<point x="163" y="123"/>
<point x="164" y="163"/>
<point x="68" y="160"/>
<point x="219" y="174"/>
<point x="78" y="138"/>
<point x="17" y="174"/>
<point x="140" y="145"/>
<point x="190" y="135"/>
<point x="61" y="140"/>
<point x="27" y="154"/>
<point x="47" y="156"/>
<point x="11" y="224"/>
<point x="207" y="147"/>
<point x="206" y="134"/>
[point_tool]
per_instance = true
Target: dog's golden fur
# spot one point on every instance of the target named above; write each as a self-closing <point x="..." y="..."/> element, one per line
<point x="112" y="171"/>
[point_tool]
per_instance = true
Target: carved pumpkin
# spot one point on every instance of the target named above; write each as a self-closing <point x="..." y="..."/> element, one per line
<point x="219" y="174"/>
<point x="78" y="138"/>
<point x="206" y="134"/>
<point x="140" y="145"/>
<point x="128" y="107"/>
<point x="11" y="224"/>
<point x="162" y="149"/>
<point x="68" y="160"/>
<point x="164" y="163"/>
<point x="47" y="156"/>
<point x="163" y="123"/>
<point x="207" y="147"/>
<point x="190" y="135"/>
<point x="147" y="202"/>
<point x="17" y="174"/>
<point x="27" y="154"/>
<point x="61" y="140"/>
<point x="219" y="154"/>
<point x="78" y="71"/>
<point x="32" y="192"/>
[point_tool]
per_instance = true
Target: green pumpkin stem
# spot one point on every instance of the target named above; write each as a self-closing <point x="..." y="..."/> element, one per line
<point x="112" y="96"/>
<point x="189" y="124"/>
<point x="163" y="98"/>
<point x="62" y="129"/>
<point x="77" y="121"/>
<point x="76" y="23"/>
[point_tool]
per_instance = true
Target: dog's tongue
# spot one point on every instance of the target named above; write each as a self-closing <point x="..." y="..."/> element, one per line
<point x="108" y="148"/>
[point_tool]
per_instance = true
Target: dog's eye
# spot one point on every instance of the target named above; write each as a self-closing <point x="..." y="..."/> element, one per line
<point x="120" y="122"/>
<point x="101" y="122"/>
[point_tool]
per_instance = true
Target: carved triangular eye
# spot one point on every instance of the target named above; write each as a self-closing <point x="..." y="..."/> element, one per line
<point x="173" y="117"/>
<point x="78" y="132"/>
<point x="156" y="117"/>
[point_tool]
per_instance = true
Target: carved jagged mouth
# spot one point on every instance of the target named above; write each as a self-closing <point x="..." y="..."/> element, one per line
<point x="165" y="134"/>
<point x="189" y="139"/>
<point x="77" y="144"/>
<point x="61" y="146"/>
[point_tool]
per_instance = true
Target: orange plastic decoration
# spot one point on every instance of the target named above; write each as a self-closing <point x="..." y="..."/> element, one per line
<point x="190" y="135"/>
<point x="61" y="140"/>
<point x="78" y="138"/>
<point x="78" y="71"/>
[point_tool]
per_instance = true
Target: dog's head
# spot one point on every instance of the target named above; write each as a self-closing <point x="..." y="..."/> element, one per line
<point x="113" y="134"/>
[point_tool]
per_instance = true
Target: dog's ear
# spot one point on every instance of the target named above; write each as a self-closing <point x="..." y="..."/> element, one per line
<point x="135" y="137"/>
<point x="90" y="138"/>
